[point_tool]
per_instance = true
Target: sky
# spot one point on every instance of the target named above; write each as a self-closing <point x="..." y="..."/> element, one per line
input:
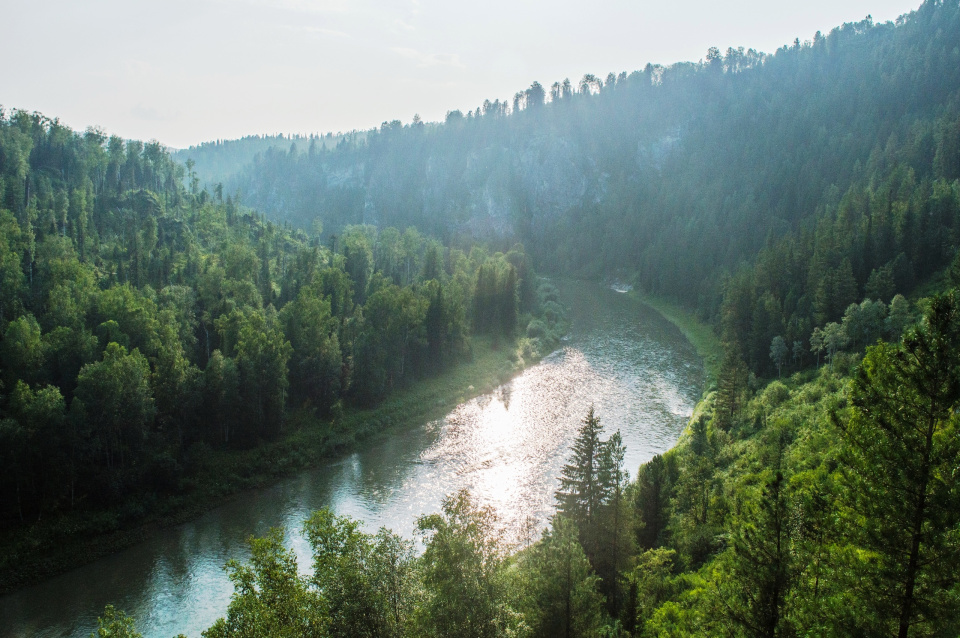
<point x="185" y="72"/>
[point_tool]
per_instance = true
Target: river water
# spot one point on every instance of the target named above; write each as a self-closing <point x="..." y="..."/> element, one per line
<point x="507" y="447"/>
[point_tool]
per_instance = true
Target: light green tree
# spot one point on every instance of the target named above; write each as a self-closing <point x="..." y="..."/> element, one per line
<point x="778" y="352"/>
<point x="463" y="572"/>
<point x="115" y="624"/>
<point x="365" y="581"/>
<point x="270" y="598"/>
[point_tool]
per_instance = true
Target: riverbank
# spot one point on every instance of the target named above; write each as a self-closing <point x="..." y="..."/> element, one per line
<point x="701" y="335"/>
<point x="54" y="546"/>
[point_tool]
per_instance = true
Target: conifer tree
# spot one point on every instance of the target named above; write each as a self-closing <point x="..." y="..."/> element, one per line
<point x="902" y="496"/>
<point x="761" y="563"/>
<point x="581" y="492"/>
<point x="559" y="589"/>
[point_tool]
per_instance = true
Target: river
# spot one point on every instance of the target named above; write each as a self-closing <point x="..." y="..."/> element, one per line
<point x="507" y="447"/>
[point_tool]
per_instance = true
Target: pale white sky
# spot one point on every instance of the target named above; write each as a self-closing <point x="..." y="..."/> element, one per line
<point x="185" y="72"/>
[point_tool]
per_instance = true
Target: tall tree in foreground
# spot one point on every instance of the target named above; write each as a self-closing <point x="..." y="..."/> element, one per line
<point x="591" y="497"/>
<point x="558" y="587"/>
<point x="580" y="493"/>
<point x="269" y="596"/>
<point x="463" y="572"/>
<point x="901" y="449"/>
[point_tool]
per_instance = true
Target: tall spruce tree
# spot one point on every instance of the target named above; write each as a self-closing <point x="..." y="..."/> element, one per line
<point x="581" y="492"/>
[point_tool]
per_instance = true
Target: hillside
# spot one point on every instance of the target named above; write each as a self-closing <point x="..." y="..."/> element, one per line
<point x="214" y="163"/>
<point x="767" y="192"/>
<point x="147" y="328"/>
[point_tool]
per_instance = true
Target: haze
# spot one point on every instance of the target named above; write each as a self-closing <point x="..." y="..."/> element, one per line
<point x="186" y="72"/>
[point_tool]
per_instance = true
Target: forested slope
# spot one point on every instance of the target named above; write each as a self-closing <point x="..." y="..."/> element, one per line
<point x="212" y="163"/>
<point x="768" y="192"/>
<point x="143" y="323"/>
<point x="825" y="504"/>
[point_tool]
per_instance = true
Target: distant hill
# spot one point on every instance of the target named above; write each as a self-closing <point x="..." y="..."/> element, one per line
<point x="217" y="161"/>
<point x="768" y="192"/>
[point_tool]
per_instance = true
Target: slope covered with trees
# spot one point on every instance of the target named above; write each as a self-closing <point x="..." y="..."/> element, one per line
<point x="825" y="505"/>
<point x="143" y="323"/>
<point x="215" y="162"/>
<point x="768" y="192"/>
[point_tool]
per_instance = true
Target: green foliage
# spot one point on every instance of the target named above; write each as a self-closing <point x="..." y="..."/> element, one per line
<point x="899" y="489"/>
<point x="591" y="497"/>
<point x="760" y="569"/>
<point x="786" y="524"/>
<point x="262" y="356"/>
<point x="771" y="522"/>
<point x="557" y="585"/>
<point x="839" y="196"/>
<point x="270" y="598"/>
<point x="581" y="493"/>
<point x="115" y="624"/>
<point x="168" y="318"/>
<point x="814" y="177"/>
<point x="365" y="581"/>
<point x="117" y="402"/>
<point x="463" y="572"/>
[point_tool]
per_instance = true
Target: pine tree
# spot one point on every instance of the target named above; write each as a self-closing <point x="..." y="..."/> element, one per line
<point x="581" y="492"/>
<point x="761" y="563"/>
<point x="902" y="495"/>
<point x="591" y="496"/>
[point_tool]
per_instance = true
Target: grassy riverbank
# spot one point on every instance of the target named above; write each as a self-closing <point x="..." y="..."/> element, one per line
<point x="701" y="335"/>
<point x="55" y="545"/>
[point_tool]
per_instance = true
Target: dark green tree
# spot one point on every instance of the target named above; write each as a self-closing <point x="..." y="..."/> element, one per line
<point x="900" y="448"/>
<point x="558" y="588"/>
<point x="117" y="402"/>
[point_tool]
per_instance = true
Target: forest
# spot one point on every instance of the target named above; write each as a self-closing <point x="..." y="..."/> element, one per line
<point x="146" y="322"/>
<point x="830" y="168"/>
<point x="803" y="204"/>
<point x="825" y="504"/>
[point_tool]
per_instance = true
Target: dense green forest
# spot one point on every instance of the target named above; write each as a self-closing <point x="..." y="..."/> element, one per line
<point x="829" y="169"/>
<point x="826" y="504"/>
<point x="144" y="323"/>
<point x="805" y="204"/>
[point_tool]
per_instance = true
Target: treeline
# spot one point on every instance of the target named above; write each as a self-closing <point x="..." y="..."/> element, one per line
<point x="826" y="505"/>
<point x="210" y="162"/>
<point x="140" y="319"/>
<point x="768" y="192"/>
